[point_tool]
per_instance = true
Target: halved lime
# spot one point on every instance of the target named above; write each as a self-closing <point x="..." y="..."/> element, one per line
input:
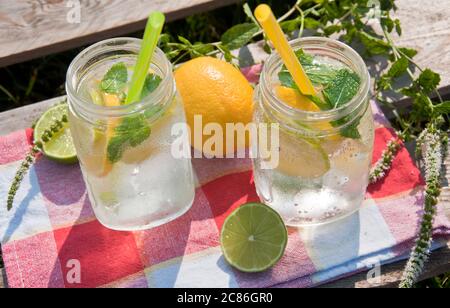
<point x="253" y="238"/>
<point x="60" y="148"/>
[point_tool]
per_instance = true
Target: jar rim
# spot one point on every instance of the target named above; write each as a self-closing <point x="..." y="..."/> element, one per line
<point x="133" y="45"/>
<point x="318" y="43"/>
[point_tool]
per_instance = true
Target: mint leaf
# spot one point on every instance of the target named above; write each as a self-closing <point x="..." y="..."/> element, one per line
<point x="409" y="52"/>
<point x="398" y="68"/>
<point x="292" y="25"/>
<point x="133" y="131"/>
<point x="152" y="82"/>
<point x="115" y="80"/>
<point x="351" y="131"/>
<point x="429" y="80"/>
<point x="342" y="88"/>
<point x="239" y="35"/>
<point x="443" y="108"/>
<point x="374" y="46"/>
<point x="319" y="74"/>
<point x="286" y="80"/>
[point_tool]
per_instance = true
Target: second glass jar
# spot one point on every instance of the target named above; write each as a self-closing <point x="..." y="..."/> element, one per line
<point x="322" y="174"/>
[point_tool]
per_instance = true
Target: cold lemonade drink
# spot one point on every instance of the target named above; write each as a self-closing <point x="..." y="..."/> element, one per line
<point x="133" y="180"/>
<point x="325" y="141"/>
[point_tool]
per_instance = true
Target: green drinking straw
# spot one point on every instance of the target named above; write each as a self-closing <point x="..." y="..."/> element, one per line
<point x="152" y="33"/>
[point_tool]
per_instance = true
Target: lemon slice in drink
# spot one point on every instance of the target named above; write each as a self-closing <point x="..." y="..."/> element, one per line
<point x="253" y="238"/>
<point x="302" y="157"/>
<point x="60" y="147"/>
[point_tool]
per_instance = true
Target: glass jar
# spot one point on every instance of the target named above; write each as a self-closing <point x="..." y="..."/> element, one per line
<point x="324" y="157"/>
<point x="133" y="180"/>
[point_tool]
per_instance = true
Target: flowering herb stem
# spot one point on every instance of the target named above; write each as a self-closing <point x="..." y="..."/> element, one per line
<point x="432" y="149"/>
<point x="383" y="165"/>
<point x="30" y="158"/>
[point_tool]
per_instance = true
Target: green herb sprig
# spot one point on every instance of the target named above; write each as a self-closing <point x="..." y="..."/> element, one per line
<point x="432" y="145"/>
<point x="30" y="158"/>
<point x="132" y="131"/>
<point x="384" y="164"/>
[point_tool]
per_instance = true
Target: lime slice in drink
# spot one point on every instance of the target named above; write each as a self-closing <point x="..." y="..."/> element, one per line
<point x="253" y="238"/>
<point x="302" y="157"/>
<point x="60" y="148"/>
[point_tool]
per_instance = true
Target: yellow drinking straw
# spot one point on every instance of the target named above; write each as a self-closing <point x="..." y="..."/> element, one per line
<point x="265" y="17"/>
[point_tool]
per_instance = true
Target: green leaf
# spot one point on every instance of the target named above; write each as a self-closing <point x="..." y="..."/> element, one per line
<point x="319" y="74"/>
<point x="398" y="68"/>
<point x="332" y="29"/>
<point x="133" y="131"/>
<point x="200" y="49"/>
<point x="115" y="80"/>
<point x="409" y="91"/>
<point x="290" y="26"/>
<point x="398" y="27"/>
<point x="185" y="41"/>
<point x="374" y="45"/>
<point x="239" y="35"/>
<point x="249" y="13"/>
<point x="343" y="88"/>
<point x="429" y="80"/>
<point x="286" y="80"/>
<point x="351" y="131"/>
<point x="152" y="82"/>
<point x="443" y="108"/>
<point x="388" y="23"/>
<point x="409" y="52"/>
<point x="385" y="82"/>
<point x="387" y="5"/>
<point x="311" y="23"/>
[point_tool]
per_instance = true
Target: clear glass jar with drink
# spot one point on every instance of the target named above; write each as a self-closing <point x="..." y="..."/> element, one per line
<point x="133" y="180"/>
<point x="325" y="142"/>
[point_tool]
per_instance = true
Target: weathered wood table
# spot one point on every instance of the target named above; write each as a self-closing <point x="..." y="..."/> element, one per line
<point x="31" y="29"/>
<point x="426" y="28"/>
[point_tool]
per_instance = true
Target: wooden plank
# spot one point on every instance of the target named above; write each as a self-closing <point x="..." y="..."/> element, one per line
<point x="2" y="278"/>
<point x="23" y="117"/>
<point x="426" y="27"/>
<point x="31" y="29"/>
<point x="391" y="274"/>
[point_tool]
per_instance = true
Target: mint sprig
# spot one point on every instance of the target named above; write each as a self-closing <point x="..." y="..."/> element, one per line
<point x="339" y="85"/>
<point x="132" y="131"/>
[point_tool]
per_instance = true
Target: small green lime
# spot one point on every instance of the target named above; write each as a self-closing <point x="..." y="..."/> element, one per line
<point x="60" y="147"/>
<point x="253" y="238"/>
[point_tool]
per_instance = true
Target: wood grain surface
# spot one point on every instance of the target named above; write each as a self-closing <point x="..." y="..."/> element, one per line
<point x="426" y="27"/>
<point x="30" y="29"/>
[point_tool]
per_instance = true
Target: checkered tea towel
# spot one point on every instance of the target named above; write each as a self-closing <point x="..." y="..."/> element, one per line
<point x="52" y="229"/>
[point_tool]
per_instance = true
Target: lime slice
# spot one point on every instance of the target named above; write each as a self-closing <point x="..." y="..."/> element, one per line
<point x="302" y="157"/>
<point x="253" y="238"/>
<point x="60" y="148"/>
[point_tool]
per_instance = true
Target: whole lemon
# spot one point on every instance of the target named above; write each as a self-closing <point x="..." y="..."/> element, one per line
<point x="218" y="92"/>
